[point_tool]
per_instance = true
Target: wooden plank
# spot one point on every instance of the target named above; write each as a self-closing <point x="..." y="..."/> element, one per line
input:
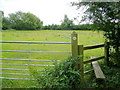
<point x="93" y="59"/>
<point x="86" y="72"/>
<point x="93" y="47"/>
<point x="98" y="72"/>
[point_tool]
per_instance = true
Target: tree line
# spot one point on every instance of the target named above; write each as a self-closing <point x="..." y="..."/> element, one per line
<point x="74" y="27"/>
<point x="28" y="21"/>
<point x="21" y="21"/>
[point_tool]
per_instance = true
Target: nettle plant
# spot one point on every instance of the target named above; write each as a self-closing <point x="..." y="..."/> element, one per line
<point x="62" y="75"/>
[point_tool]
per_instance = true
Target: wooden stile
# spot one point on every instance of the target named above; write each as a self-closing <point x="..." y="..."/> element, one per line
<point x="98" y="72"/>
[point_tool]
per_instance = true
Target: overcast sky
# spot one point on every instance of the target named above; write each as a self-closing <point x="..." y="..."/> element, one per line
<point x="49" y="11"/>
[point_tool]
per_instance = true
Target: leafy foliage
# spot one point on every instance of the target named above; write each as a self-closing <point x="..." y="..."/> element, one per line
<point x="66" y="23"/>
<point x="6" y="23"/>
<point x="112" y="74"/>
<point x="115" y="58"/>
<point x="21" y="20"/>
<point x="105" y="16"/>
<point x="1" y="16"/>
<point x="63" y="75"/>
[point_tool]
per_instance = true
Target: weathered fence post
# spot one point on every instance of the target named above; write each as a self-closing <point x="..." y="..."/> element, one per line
<point x="74" y="40"/>
<point x="81" y="65"/>
<point x="106" y="52"/>
<point x="77" y="53"/>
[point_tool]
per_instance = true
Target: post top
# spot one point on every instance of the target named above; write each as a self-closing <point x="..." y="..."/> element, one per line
<point x="74" y="32"/>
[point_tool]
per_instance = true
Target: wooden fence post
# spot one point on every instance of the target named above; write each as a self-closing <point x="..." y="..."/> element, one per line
<point x="106" y="52"/>
<point x="81" y="65"/>
<point x="77" y="53"/>
<point x="74" y="41"/>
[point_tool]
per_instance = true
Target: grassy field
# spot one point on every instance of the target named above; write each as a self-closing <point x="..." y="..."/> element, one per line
<point x="84" y="37"/>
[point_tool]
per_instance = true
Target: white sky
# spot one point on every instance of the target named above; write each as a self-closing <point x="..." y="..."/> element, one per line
<point x="49" y="11"/>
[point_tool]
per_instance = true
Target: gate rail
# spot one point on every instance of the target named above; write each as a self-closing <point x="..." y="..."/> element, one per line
<point x="12" y="59"/>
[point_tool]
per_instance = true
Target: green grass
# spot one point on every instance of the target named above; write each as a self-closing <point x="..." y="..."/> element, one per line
<point x="84" y="37"/>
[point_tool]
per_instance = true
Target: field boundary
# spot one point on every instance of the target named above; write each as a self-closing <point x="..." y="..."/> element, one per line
<point x="76" y="50"/>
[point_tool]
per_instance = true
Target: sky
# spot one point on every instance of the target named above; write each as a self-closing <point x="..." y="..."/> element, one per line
<point x="49" y="11"/>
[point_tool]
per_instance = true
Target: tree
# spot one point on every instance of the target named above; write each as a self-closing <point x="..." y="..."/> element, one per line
<point x="1" y="17"/>
<point x="66" y="23"/>
<point x="6" y="23"/>
<point x="21" y="20"/>
<point x="105" y="16"/>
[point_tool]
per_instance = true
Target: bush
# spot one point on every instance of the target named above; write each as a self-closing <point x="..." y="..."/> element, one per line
<point x="112" y="74"/>
<point x="62" y="75"/>
<point x="115" y="58"/>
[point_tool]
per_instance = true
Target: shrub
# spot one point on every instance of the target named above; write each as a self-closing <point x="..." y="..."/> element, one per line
<point x="62" y="75"/>
<point x="115" y="58"/>
<point x="112" y="74"/>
